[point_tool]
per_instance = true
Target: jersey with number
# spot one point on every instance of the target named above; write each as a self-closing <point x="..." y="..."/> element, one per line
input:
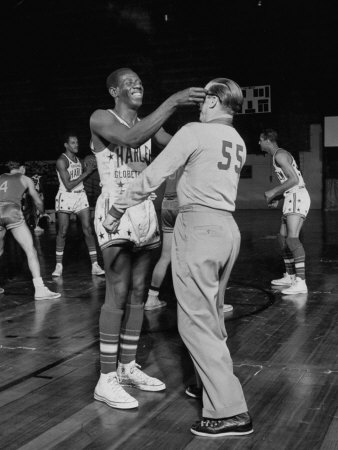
<point x="11" y="188"/>
<point x="212" y="155"/>
<point x="75" y="171"/>
<point x="118" y="165"/>
<point x="282" y="177"/>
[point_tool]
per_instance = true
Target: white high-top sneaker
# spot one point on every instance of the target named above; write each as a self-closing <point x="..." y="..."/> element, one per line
<point x="43" y="293"/>
<point x="96" y="269"/>
<point x="153" y="302"/>
<point x="131" y="375"/>
<point x="285" y="281"/>
<point x="58" y="270"/>
<point x="298" y="287"/>
<point x="108" y="390"/>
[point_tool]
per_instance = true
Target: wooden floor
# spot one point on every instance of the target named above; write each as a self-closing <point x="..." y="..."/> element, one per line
<point x="284" y="350"/>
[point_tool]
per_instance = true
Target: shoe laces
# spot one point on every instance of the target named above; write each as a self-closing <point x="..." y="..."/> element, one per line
<point x="137" y="373"/>
<point x="213" y="423"/>
<point x="116" y="387"/>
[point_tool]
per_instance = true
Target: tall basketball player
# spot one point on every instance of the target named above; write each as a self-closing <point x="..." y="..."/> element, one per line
<point x="121" y="142"/>
<point x="72" y="198"/>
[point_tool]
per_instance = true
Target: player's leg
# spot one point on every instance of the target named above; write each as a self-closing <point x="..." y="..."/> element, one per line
<point x="63" y="224"/>
<point x="294" y="223"/>
<point x="84" y="216"/>
<point x="2" y="240"/>
<point x="159" y="273"/>
<point x="24" y="238"/>
<point x="117" y="263"/>
<point x="128" y="371"/>
<point x="289" y="263"/>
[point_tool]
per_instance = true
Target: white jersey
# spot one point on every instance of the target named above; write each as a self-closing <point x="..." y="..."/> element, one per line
<point x="119" y="165"/>
<point x="282" y="177"/>
<point x="75" y="171"/>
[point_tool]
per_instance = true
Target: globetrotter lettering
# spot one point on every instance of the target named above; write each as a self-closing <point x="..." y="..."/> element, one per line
<point x="125" y="155"/>
<point x="127" y="173"/>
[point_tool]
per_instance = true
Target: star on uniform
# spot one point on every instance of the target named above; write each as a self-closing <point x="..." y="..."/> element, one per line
<point x="116" y="231"/>
<point x="100" y="218"/>
<point x="110" y="156"/>
<point x="101" y="236"/>
<point x="129" y="233"/>
<point x="120" y="185"/>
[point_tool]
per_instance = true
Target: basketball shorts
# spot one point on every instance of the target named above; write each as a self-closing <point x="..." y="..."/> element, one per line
<point x="297" y="202"/>
<point x="169" y="211"/>
<point x="71" y="202"/>
<point x="138" y="225"/>
<point x="11" y="216"/>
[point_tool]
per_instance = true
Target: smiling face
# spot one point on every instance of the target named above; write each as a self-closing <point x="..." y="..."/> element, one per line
<point x="72" y="145"/>
<point x="129" y="89"/>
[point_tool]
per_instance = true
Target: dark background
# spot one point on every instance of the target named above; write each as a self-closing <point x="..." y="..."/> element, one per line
<point x="56" y="55"/>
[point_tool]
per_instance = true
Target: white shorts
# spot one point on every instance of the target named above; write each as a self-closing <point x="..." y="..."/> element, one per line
<point x="297" y="202"/>
<point x="71" y="202"/>
<point x="138" y="225"/>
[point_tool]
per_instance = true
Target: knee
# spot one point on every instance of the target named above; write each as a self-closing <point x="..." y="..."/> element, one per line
<point x="62" y="232"/>
<point x="87" y="230"/>
<point x="293" y="243"/>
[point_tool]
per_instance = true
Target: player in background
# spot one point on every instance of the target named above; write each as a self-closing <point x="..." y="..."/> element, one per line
<point x="205" y="246"/>
<point x="13" y="186"/>
<point x="72" y="198"/>
<point x="295" y="209"/>
<point x="169" y="211"/>
<point x="121" y="142"/>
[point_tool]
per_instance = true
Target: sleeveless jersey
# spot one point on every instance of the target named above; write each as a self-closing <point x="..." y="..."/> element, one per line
<point x="118" y="165"/>
<point x="11" y="188"/>
<point x="282" y="177"/>
<point x="75" y="170"/>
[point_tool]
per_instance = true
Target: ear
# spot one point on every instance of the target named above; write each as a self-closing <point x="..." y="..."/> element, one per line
<point x="113" y="91"/>
<point x="213" y="102"/>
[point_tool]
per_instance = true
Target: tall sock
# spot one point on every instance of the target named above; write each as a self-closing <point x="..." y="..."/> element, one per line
<point x="92" y="255"/>
<point x="59" y="255"/>
<point x="298" y="252"/>
<point x="287" y="255"/>
<point x="154" y="291"/>
<point x="110" y="326"/>
<point x="130" y="333"/>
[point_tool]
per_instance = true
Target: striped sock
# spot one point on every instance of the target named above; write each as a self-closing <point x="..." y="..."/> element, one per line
<point x="110" y="326"/>
<point x="289" y="261"/>
<point x="92" y="255"/>
<point x="130" y="333"/>
<point x="299" y="255"/>
<point x="59" y="255"/>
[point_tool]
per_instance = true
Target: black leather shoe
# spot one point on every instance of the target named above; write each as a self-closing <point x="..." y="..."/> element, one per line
<point x="231" y="426"/>
<point x="194" y="391"/>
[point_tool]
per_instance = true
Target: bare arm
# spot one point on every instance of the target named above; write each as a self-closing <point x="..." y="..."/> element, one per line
<point x="162" y="138"/>
<point x="102" y="123"/>
<point x="61" y="166"/>
<point x="29" y="185"/>
<point x="284" y="160"/>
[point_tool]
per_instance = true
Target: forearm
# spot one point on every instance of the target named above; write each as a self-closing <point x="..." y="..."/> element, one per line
<point x="70" y="185"/>
<point x="144" y="129"/>
<point x="40" y="206"/>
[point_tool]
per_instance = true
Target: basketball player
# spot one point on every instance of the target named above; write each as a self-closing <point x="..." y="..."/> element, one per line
<point x="169" y="211"/>
<point x="72" y="198"/>
<point x="13" y="186"/>
<point x="122" y="146"/>
<point x="295" y="209"/>
<point x="206" y="243"/>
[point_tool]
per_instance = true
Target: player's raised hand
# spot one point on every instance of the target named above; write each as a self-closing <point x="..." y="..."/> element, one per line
<point x="190" y="96"/>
